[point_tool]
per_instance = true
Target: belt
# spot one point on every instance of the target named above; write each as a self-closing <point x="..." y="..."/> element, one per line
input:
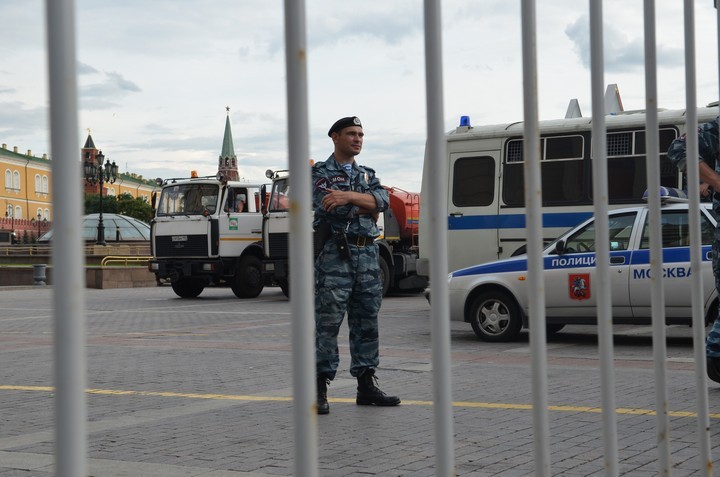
<point x="359" y="241"/>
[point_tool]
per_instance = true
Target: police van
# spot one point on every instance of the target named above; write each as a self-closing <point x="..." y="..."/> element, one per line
<point x="486" y="203"/>
<point x="493" y="297"/>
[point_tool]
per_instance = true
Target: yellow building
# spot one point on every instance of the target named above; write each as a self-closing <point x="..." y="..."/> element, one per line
<point x="28" y="196"/>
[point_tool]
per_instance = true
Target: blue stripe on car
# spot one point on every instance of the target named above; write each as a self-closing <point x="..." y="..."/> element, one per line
<point x="582" y="260"/>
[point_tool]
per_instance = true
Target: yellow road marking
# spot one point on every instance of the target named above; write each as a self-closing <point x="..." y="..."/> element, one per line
<point x="465" y="404"/>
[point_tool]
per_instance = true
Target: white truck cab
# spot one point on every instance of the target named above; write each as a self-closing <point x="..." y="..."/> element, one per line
<point x="207" y="231"/>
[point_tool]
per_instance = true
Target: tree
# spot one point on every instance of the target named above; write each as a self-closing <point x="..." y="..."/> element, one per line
<point x="92" y="204"/>
<point x="135" y="207"/>
<point x="124" y="204"/>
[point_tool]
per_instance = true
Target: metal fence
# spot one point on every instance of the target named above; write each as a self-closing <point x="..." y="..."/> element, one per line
<point x="69" y="301"/>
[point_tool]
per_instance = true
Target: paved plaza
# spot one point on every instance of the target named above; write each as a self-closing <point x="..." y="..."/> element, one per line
<point x="203" y="387"/>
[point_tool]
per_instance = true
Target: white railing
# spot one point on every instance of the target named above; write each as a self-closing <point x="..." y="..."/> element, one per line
<point x="69" y="301"/>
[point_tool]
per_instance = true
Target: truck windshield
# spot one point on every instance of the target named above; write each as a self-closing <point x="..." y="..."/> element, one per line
<point x="188" y="199"/>
<point x="279" y="200"/>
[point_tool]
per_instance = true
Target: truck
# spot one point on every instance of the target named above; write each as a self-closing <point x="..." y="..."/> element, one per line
<point x="207" y="232"/>
<point x="398" y="240"/>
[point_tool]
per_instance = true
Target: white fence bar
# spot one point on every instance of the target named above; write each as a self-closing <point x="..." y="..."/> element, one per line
<point x="533" y="226"/>
<point x="657" y="292"/>
<point x="693" y="183"/>
<point x="67" y="244"/>
<point x="602" y="239"/>
<point x="301" y="250"/>
<point x="440" y="307"/>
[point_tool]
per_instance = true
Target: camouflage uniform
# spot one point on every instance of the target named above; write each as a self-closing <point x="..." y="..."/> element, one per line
<point x="708" y="151"/>
<point x="341" y="285"/>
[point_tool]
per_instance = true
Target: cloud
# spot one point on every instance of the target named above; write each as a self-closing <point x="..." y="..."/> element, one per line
<point x="389" y="24"/>
<point x="105" y="95"/>
<point x="621" y="52"/>
<point x="85" y="69"/>
<point x="18" y="120"/>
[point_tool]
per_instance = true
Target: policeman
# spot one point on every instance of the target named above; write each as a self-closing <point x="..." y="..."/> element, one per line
<point x="347" y="199"/>
<point x="709" y="167"/>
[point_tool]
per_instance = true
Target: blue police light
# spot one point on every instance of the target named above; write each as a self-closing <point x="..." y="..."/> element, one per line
<point x="669" y="194"/>
<point x="465" y="121"/>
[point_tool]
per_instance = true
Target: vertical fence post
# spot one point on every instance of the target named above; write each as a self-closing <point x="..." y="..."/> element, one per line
<point x="657" y="292"/>
<point x="533" y="205"/>
<point x="68" y="259"/>
<point x="301" y="252"/>
<point x="440" y="306"/>
<point x="602" y="239"/>
<point x="693" y="184"/>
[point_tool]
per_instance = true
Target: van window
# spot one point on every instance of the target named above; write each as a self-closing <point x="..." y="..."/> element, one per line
<point x="627" y="164"/>
<point x="473" y="181"/>
<point x="562" y="170"/>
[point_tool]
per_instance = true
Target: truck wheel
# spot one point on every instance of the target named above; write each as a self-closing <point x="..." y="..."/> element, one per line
<point x="284" y="286"/>
<point x="384" y="275"/>
<point x="188" y="287"/>
<point x="495" y="316"/>
<point x="248" y="282"/>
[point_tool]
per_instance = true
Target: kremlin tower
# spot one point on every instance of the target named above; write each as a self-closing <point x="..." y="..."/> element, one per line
<point x="227" y="164"/>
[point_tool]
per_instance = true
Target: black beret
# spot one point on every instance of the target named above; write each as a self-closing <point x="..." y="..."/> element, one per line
<point x="344" y="123"/>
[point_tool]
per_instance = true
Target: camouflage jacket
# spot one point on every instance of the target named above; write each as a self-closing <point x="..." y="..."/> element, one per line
<point x="330" y="175"/>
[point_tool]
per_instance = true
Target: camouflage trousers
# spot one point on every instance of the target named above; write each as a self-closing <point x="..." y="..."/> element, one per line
<point x="712" y="346"/>
<point x="353" y="286"/>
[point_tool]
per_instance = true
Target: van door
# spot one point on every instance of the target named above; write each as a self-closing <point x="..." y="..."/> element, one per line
<point x="473" y="208"/>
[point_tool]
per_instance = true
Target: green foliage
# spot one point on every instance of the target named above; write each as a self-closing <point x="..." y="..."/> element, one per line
<point x="134" y="207"/>
<point x="124" y="204"/>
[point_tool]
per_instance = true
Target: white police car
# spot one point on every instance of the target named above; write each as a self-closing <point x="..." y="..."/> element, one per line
<point x="493" y="297"/>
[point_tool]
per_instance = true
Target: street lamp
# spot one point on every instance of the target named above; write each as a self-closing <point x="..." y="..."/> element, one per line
<point x="95" y="172"/>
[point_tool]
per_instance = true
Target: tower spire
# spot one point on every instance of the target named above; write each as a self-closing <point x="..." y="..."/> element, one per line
<point x="227" y="164"/>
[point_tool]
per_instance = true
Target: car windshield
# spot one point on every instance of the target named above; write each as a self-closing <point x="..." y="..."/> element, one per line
<point x="188" y="199"/>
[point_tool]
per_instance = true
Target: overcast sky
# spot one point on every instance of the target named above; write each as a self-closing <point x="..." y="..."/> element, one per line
<point x="155" y="76"/>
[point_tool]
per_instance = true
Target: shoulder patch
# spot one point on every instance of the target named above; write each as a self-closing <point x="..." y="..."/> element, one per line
<point x="322" y="184"/>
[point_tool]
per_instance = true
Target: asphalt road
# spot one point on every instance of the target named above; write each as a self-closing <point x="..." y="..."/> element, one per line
<point x="203" y="388"/>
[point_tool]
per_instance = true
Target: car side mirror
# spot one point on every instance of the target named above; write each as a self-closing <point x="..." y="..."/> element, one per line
<point x="560" y="247"/>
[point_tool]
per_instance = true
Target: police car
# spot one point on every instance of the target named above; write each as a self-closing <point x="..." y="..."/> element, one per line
<point x="493" y="297"/>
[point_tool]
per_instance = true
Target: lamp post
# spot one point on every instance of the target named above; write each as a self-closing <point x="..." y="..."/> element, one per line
<point x="96" y="172"/>
<point x="39" y="216"/>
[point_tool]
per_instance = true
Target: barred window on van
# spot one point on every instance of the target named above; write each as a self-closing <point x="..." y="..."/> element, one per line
<point x="562" y="170"/>
<point x="473" y="181"/>
<point x="552" y="148"/>
<point x="627" y="164"/>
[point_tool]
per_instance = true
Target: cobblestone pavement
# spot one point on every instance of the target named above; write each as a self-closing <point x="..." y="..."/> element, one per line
<point x="203" y="388"/>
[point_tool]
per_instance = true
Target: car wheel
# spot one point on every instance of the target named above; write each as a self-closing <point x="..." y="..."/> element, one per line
<point x="248" y="282"/>
<point x="495" y="316"/>
<point x="384" y="275"/>
<point x="188" y="287"/>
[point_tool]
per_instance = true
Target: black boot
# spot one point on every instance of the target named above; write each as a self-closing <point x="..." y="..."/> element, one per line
<point x="369" y="394"/>
<point x="322" y="403"/>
